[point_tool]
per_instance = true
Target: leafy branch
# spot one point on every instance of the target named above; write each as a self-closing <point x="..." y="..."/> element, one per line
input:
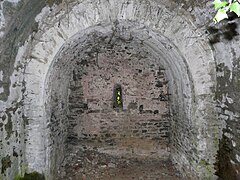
<point x="223" y="7"/>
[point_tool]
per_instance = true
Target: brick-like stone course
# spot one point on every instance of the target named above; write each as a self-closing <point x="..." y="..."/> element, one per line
<point x="145" y="112"/>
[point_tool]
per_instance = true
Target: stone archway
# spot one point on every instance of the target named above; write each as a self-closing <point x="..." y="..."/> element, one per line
<point x="189" y="60"/>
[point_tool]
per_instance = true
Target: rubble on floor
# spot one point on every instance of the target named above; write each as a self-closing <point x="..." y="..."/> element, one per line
<point x="87" y="163"/>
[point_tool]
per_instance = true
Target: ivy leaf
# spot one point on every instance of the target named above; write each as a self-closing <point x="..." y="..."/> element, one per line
<point x="221" y="14"/>
<point x="218" y="4"/>
<point x="235" y="7"/>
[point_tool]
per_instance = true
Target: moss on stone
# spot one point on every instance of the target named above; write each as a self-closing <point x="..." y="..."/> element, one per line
<point x="6" y="163"/>
<point x="203" y="162"/>
<point x="30" y="176"/>
<point x="207" y="167"/>
<point x="9" y="126"/>
<point x="51" y="2"/>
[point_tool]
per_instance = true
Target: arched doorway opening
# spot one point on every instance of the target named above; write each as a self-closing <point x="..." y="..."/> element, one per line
<point x="140" y="124"/>
<point x="73" y="56"/>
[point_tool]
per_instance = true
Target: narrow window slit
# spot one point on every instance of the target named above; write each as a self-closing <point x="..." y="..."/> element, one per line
<point x="117" y="97"/>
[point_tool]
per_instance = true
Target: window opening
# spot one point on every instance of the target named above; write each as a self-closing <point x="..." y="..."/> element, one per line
<point x="117" y="95"/>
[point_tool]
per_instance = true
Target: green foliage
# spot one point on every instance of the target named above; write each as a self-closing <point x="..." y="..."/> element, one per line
<point x="18" y="177"/>
<point x="31" y="176"/>
<point x="224" y="7"/>
<point x="218" y="4"/>
<point x="119" y="96"/>
<point x="235" y="7"/>
<point x="221" y="14"/>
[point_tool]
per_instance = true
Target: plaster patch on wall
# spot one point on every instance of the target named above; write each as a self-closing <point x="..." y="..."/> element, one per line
<point x="233" y="143"/>
<point x="230" y="100"/>
<point x="13" y="1"/>
<point x="202" y="143"/>
<point x="2" y="20"/>
<point x="232" y="162"/>
<point x="1" y="90"/>
<point x="223" y="55"/>
<point x="45" y="11"/>
<point x="238" y="157"/>
<point x="228" y="135"/>
<point x="17" y="75"/>
<point x="1" y="75"/>
<point x="203" y="14"/>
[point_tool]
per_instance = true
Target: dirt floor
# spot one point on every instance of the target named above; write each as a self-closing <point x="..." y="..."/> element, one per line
<point x="85" y="163"/>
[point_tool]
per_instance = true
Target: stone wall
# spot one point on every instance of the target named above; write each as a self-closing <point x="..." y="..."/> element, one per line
<point x="225" y="41"/>
<point x="15" y="28"/>
<point x="86" y="50"/>
<point x="177" y="31"/>
<point x="56" y="124"/>
<point x="145" y="113"/>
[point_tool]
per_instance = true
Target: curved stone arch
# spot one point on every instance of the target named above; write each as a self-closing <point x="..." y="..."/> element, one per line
<point x="196" y="52"/>
<point x="185" y="104"/>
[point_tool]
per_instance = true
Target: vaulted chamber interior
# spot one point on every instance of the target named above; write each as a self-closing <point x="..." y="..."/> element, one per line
<point x="113" y="79"/>
<point x="114" y="93"/>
